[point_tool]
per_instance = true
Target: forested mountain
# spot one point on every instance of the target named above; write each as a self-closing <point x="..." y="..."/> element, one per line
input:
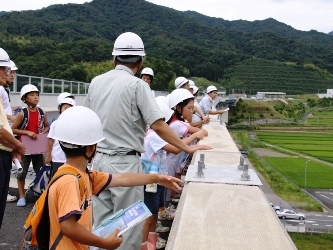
<point x="74" y="41"/>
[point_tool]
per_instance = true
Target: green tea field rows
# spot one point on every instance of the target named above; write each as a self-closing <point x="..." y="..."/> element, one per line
<point x="322" y="118"/>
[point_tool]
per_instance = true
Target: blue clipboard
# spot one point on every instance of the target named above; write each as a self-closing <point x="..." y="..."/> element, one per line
<point x="124" y="219"/>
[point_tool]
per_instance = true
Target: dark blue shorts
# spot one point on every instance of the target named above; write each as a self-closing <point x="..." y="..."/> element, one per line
<point x="154" y="200"/>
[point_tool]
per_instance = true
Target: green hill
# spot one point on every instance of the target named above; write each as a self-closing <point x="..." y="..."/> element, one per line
<point x="263" y="75"/>
<point x="61" y="40"/>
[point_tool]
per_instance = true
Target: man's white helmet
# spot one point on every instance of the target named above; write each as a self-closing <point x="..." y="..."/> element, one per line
<point x="211" y="88"/>
<point x="195" y="90"/>
<point x="4" y="58"/>
<point x="78" y="126"/>
<point x="13" y="65"/>
<point x="180" y="81"/>
<point x="166" y="111"/>
<point x="128" y="43"/>
<point x="27" y="89"/>
<point x="68" y="100"/>
<point x="64" y="95"/>
<point x="192" y="85"/>
<point x="147" y="71"/>
<point x="177" y="96"/>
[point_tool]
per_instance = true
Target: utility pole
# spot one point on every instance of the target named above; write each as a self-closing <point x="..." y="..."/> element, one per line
<point x="306" y="164"/>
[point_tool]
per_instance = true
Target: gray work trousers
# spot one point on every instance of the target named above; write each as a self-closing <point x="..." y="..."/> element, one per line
<point x="111" y="200"/>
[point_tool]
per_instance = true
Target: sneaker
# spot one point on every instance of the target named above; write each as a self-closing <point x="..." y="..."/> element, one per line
<point x="174" y="200"/>
<point x="161" y="240"/>
<point x="11" y="198"/>
<point x="171" y="209"/>
<point x="21" y="202"/>
<point x="166" y="215"/>
<point x="160" y="244"/>
<point x="160" y="228"/>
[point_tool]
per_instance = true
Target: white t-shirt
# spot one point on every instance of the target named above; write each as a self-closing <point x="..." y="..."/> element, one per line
<point x="57" y="154"/>
<point x="5" y="101"/>
<point x="154" y="150"/>
<point x="181" y="129"/>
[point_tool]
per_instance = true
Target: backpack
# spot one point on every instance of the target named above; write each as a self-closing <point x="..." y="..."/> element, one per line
<point x="37" y="226"/>
<point x="39" y="184"/>
<point x="25" y="119"/>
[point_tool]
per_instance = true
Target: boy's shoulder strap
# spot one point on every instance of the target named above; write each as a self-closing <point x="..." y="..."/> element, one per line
<point x="41" y="111"/>
<point x="71" y="171"/>
<point x="25" y="119"/>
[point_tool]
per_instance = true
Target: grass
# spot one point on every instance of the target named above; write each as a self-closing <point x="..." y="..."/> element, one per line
<point x="318" y="175"/>
<point x="312" y="242"/>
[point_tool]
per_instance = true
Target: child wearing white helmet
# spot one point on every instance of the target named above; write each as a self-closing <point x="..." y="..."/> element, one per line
<point x="61" y="96"/>
<point x="182" y="82"/>
<point x="78" y="131"/>
<point x="206" y="104"/>
<point x="147" y="75"/>
<point x="156" y="150"/>
<point x="182" y="102"/>
<point x="204" y="119"/>
<point x="54" y="155"/>
<point x="30" y="121"/>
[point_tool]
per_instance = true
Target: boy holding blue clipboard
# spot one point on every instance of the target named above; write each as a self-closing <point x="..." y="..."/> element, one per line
<point x="78" y="130"/>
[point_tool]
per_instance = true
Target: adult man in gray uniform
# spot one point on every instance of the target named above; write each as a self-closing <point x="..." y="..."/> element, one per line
<point x="125" y="106"/>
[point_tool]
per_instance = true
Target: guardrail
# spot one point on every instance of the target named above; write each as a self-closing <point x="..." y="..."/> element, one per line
<point x="49" y="85"/>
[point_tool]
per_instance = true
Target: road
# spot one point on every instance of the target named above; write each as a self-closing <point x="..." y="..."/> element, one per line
<point x="315" y="222"/>
<point x="325" y="196"/>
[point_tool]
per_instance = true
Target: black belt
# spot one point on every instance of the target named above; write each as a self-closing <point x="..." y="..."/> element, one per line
<point x="4" y="152"/>
<point x="133" y="152"/>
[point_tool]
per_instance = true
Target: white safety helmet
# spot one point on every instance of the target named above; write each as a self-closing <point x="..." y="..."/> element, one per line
<point x="128" y="43"/>
<point x="164" y="99"/>
<point x="69" y="101"/>
<point x="192" y="85"/>
<point x="78" y="126"/>
<point x="166" y="111"/>
<point x="4" y="58"/>
<point x="13" y="65"/>
<point x="211" y="88"/>
<point x="195" y="90"/>
<point x="27" y="89"/>
<point x="147" y="71"/>
<point x="177" y="96"/>
<point x="64" y="95"/>
<point x="180" y="81"/>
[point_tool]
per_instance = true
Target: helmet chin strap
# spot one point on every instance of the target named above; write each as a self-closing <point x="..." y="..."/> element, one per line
<point x="89" y="158"/>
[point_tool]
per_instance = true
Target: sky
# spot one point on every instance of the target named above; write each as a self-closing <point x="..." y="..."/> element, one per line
<point x="300" y="14"/>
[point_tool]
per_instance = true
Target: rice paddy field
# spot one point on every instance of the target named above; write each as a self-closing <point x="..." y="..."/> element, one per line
<point x="317" y="145"/>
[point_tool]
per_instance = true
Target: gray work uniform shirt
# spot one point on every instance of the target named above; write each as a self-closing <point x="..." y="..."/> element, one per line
<point x="125" y="105"/>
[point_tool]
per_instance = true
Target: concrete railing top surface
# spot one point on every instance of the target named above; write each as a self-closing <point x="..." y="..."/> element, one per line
<point x="220" y="215"/>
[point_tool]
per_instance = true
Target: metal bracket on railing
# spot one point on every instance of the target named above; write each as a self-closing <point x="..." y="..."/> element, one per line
<point x="202" y="158"/>
<point x="200" y="173"/>
<point x="245" y="176"/>
<point x="241" y="163"/>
